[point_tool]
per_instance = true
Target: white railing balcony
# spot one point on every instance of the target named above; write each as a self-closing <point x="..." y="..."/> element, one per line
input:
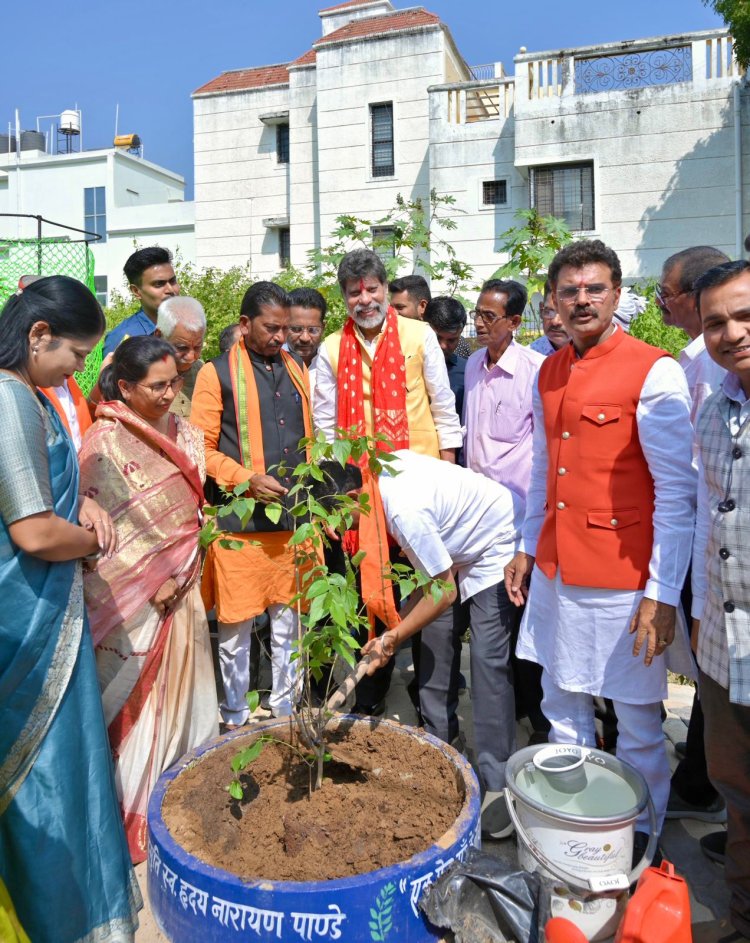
<point x="700" y="58"/>
<point x="468" y="102"/>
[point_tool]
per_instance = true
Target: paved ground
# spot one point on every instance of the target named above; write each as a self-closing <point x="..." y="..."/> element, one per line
<point x="708" y="894"/>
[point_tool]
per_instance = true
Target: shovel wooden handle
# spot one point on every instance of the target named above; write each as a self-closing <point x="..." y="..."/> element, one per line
<point x="339" y="696"/>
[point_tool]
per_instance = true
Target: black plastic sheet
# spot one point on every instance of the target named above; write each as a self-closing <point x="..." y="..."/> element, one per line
<point x="482" y="900"/>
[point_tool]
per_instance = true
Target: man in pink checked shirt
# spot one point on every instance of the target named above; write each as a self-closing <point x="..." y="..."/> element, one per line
<point x="499" y="424"/>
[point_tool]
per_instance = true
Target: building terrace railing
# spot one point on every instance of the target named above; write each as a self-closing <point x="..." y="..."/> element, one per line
<point x="483" y="100"/>
<point x="700" y="58"/>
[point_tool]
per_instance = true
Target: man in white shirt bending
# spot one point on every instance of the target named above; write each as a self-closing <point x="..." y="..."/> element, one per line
<point x="461" y="527"/>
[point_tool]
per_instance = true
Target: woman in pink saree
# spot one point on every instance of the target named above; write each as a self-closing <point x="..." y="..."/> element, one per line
<point x="146" y="468"/>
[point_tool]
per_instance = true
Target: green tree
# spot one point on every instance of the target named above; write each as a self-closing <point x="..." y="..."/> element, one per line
<point x="418" y="242"/>
<point x="736" y="14"/>
<point x="531" y="247"/>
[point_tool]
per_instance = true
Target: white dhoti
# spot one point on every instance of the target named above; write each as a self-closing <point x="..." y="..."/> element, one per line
<point x="580" y="637"/>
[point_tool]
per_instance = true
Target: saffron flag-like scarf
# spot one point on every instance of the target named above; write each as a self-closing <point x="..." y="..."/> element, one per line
<point x="247" y="404"/>
<point x="388" y="395"/>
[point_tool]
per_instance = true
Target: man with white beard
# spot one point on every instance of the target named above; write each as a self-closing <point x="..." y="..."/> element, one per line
<point x="382" y="373"/>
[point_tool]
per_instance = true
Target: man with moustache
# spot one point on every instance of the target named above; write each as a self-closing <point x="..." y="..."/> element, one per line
<point x="609" y="522"/>
<point x="384" y="373"/>
<point x="253" y="404"/>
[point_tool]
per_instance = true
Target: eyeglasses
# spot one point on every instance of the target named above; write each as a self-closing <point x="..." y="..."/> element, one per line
<point x="594" y="293"/>
<point x="664" y="297"/>
<point x="548" y="314"/>
<point x="312" y="331"/>
<point x="159" y="389"/>
<point x="486" y="317"/>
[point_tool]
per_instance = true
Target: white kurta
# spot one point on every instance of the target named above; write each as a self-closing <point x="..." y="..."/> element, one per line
<point x="579" y="633"/>
<point x="444" y="516"/>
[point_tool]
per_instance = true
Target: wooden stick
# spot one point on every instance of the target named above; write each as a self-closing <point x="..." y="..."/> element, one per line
<point x="339" y="696"/>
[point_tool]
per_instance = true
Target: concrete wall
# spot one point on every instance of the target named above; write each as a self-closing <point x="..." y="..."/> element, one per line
<point x="352" y="77"/>
<point x="663" y="156"/>
<point x="238" y="180"/>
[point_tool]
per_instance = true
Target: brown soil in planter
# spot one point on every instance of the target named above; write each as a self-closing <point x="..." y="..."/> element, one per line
<point x="359" y="821"/>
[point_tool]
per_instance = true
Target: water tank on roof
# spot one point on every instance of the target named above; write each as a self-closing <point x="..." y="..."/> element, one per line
<point x="129" y="141"/>
<point x="32" y="141"/>
<point x="70" y="122"/>
<point x="7" y="144"/>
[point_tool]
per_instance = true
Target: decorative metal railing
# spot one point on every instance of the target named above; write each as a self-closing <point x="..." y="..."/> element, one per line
<point x="634" y="70"/>
<point x="701" y="58"/>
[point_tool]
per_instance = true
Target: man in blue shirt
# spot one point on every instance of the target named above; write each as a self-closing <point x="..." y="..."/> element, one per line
<point x="151" y="279"/>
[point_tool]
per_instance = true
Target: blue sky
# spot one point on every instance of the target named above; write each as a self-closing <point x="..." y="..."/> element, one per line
<point x="150" y="56"/>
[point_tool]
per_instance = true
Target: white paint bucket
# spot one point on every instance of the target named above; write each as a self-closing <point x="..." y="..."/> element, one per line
<point x="575" y="810"/>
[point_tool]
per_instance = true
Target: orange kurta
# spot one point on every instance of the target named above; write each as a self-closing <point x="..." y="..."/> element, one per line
<point x="238" y="583"/>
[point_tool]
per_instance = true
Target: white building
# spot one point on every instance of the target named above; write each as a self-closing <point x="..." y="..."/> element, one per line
<point x="118" y="195"/>
<point x="643" y="144"/>
<point x="281" y="151"/>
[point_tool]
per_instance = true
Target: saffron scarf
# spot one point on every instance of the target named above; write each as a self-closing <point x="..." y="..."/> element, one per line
<point x="387" y="386"/>
<point x="247" y="404"/>
<point x="388" y="399"/>
<point x="374" y="570"/>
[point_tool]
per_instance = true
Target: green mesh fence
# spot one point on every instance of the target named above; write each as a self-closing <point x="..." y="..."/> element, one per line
<point x="50" y="256"/>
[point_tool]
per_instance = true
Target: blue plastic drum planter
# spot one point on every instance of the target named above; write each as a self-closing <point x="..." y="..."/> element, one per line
<point x="193" y="901"/>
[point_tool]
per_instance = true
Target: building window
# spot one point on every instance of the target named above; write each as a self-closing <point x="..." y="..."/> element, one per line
<point x="494" y="192"/>
<point x="100" y="289"/>
<point x="285" y="248"/>
<point x="384" y="241"/>
<point x="94" y="211"/>
<point x="381" y="122"/>
<point x="565" y="191"/>
<point x="282" y="143"/>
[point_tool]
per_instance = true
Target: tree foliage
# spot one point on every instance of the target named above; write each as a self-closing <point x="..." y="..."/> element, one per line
<point x="419" y="245"/>
<point x="531" y="247"/>
<point x="736" y="14"/>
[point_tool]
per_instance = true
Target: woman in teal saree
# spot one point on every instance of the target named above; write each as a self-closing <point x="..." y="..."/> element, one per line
<point x="63" y="855"/>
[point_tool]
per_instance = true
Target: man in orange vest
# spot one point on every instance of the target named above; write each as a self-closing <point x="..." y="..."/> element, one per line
<point x="609" y="522"/>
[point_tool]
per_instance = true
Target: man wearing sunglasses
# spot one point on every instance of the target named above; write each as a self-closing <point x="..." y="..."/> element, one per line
<point x="499" y="423"/>
<point x="609" y="522"/>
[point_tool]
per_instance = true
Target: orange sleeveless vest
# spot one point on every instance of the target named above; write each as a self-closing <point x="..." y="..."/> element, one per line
<point x="600" y="495"/>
